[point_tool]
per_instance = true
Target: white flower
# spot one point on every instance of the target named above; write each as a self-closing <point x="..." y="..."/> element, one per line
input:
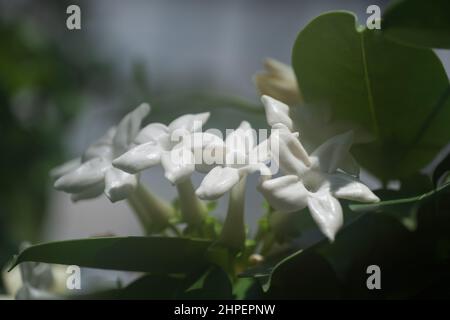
<point x="278" y="81"/>
<point x="160" y="144"/>
<point x="95" y="173"/>
<point x="317" y="122"/>
<point x="241" y="157"/>
<point x="314" y="181"/>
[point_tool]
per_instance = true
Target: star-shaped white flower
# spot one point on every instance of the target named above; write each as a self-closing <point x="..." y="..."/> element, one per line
<point x="314" y="181"/>
<point x="241" y="157"/>
<point x="166" y="145"/>
<point x="94" y="173"/>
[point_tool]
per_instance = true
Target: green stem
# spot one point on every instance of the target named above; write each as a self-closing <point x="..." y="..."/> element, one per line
<point x="139" y="211"/>
<point x="153" y="213"/>
<point x="192" y="208"/>
<point x="233" y="230"/>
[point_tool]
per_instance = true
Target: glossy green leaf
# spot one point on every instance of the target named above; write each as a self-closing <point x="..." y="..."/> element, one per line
<point x="160" y="255"/>
<point x="400" y="204"/>
<point x="418" y="23"/>
<point x="264" y="272"/>
<point x="396" y="96"/>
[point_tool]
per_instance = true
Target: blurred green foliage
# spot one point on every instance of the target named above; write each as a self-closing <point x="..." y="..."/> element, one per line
<point x="41" y="90"/>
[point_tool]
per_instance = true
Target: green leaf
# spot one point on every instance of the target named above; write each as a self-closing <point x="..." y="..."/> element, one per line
<point x="301" y="222"/>
<point x="159" y="255"/>
<point x="400" y="204"/>
<point x="148" y="286"/>
<point x="441" y="172"/>
<point x="395" y="96"/>
<point x="418" y="23"/>
<point x="214" y="285"/>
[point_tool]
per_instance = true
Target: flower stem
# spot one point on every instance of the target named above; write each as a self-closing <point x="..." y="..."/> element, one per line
<point x="153" y="213"/>
<point x="233" y="230"/>
<point x="192" y="208"/>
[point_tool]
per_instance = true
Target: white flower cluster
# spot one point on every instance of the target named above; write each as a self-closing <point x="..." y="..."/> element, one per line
<point x="112" y="164"/>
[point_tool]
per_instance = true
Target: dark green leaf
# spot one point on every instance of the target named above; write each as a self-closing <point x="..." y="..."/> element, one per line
<point x="418" y="23"/>
<point x="372" y="85"/>
<point x="160" y="255"/>
<point x="214" y="285"/>
<point x="400" y="204"/>
<point x="441" y="171"/>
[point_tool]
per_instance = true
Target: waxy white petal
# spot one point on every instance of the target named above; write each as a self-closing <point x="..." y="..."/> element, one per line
<point x="65" y="168"/>
<point x="90" y="192"/>
<point x="101" y="148"/>
<point x="129" y="127"/>
<point x="154" y="132"/>
<point x="285" y="194"/>
<point x="208" y="150"/>
<point x="241" y="141"/>
<point x="276" y="112"/>
<point x="346" y="187"/>
<point x="217" y="182"/>
<point x="287" y="151"/>
<point x="350" y="166"/>
<point x="86" y="175"/>
<point x="331" y="154"/>
<point x="178" y="164"/>
<point x="257" y="167"/>
<point x="327" y="212"/>
<point x="119" y="184"/>
<point x="139" y="158"/>
<point x="279" y="81"/>
<point x="189" y="122"/>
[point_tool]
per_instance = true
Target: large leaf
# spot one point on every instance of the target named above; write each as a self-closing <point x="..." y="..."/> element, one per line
<point x="396" y="95"/>
<point x="159" y="255"/>
<point x="419" y="23"/>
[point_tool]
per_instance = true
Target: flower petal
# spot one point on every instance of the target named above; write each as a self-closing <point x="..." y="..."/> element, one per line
<point x="208" y="150"/>
<point x="285" y="194"/>
<point x="346" y="187"/>
<point x="238" y="144"/>
<point x="189" y="122"/>
<point x="119" y="184"/>
<point x="256" y="167"/>
<point x="276" y="112"/>
<point x="287" y="151"/>
<point x="91" y="192"/>
<point x="278" y="81"/>
<point x="217" y="182"/>
<point x="327" y="212"/>
<point x="260" y="153"/>
<point x="156" y="132"/>
<point x="332" y="153"/>
<point x="139" y="158"/>
<point x="129" y="127"/>
<point x="65" y="168"/>
<point x="101" y="148"/>
<point x="349" y="165"/>
<point x="178" y="164"/>
<point x="86" y="175"/>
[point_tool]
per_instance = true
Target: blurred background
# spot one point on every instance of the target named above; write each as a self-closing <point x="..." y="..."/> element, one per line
<point x="61" y="89"/>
